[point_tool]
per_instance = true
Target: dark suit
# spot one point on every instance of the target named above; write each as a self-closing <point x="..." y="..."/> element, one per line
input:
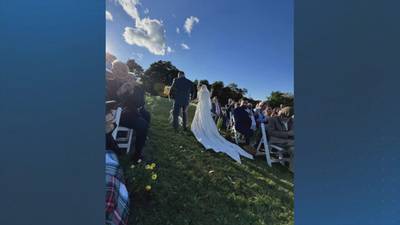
<point x="182" y="90"/>
<point x="243" y="122"/>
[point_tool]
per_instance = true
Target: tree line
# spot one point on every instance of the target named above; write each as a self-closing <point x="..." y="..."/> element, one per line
<point x="161" y="74"/>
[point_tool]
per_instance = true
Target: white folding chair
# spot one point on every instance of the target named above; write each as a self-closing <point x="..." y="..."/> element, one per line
<point x="273" y="153"/>
<point x="123" y="141"/>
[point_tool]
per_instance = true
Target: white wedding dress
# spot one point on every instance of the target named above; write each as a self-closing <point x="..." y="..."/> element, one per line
<point x="206" y="131"/>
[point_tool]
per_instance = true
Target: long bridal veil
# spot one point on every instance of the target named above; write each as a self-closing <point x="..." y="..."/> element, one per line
<point x="206" y="131"/>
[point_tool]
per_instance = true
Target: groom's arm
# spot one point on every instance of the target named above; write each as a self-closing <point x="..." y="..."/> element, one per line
<point x="193" y="91"/>
<point x="172" y="89"/>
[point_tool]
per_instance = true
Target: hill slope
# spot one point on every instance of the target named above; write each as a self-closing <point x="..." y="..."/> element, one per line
<point x="205" y="188"/>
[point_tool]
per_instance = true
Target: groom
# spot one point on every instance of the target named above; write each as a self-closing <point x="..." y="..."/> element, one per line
<point x="182" y="90"/>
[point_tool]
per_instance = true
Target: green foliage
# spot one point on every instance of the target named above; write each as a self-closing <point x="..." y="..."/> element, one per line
<point x="219" y="123"/>
<point x="277" y="98"/>
<point x="159" y="72"/>
<point x="216" y="88"/>
<point x="202" y="187"/>
<point x="135" y="68"/>
<point x="159" y="88"/>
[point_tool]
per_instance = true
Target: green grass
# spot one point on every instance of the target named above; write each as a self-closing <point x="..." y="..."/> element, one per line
<point x="195" y="186"/>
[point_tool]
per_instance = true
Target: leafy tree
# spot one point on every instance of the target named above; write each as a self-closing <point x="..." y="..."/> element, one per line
<point x="135" y="68"/>
<point x="277" y="98"/>
<point x="160" y="72"/>
<point x="216" y="88"/>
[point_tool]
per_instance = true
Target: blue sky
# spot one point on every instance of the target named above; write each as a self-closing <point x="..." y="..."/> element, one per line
<point x="249" y="43"/>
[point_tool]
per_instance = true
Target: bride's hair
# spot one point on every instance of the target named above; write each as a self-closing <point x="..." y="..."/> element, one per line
<point x="200" y="85"/>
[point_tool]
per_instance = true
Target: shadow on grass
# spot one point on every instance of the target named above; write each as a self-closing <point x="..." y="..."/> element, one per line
<point x="203" y="187"/>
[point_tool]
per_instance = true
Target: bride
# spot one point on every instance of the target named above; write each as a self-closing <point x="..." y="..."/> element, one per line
<point x="206" y="132"/>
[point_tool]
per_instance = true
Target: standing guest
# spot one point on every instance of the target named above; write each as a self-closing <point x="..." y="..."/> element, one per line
<point x="268" y="112"/>
<point x="281" y="131"/>
<point x="229" y="107"/>
<point x="216" y="109"/>
<point x="260" y="113"/>
<point x="275" y="112"/>
<point x="243" y="121"/>
<point x="251" y="115"/>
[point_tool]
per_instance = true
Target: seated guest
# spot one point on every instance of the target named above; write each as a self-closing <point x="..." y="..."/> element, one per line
<point x="281" y="132"/>
<point x="117" y="197"/>
<point x="135" y="116"/>
<point x="131" y="97"/>
<point x="243" y="121"/>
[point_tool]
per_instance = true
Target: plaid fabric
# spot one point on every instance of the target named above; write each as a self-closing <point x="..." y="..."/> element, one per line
<point x="117" y="200"/>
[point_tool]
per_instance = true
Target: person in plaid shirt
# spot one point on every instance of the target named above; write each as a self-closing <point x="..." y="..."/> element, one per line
<point x="117" y="199"/>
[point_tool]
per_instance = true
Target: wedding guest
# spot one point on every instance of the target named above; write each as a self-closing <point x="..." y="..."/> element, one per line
<point x="117" y="197"/>
<point x="131" y="97"/>
<point x="275" y="112"/>
<point x="268" y="112"/>
<point x="216" y="109"/>
<point x="260" y="112"/>
<point x="243" y="121"/>
<point x="281" y="132"/>
<point x="116" y="193"/>
<point x="250" y="111"/>
<point x="136" y="117"/>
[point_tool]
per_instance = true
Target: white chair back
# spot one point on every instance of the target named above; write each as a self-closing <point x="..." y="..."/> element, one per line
<point x="117" y="118"/>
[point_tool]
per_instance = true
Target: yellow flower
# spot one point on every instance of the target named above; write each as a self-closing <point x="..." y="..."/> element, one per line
<point x="154" y="176"/>
<point x="153" y="165"/>
<point x="148" y="187"/>
<point x="148" y="167"/>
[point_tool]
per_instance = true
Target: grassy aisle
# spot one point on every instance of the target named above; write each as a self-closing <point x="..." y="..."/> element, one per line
<point x="202" y="187"/>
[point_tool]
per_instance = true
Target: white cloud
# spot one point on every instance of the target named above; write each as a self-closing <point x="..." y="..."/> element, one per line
<point x="169" y="49"/>
<point x="189" y="23"/>
<point x="185" y="46"/>
<point x="147" y="33"/>
<point x="109" y="16"/>
<point x="178" y="30"/>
